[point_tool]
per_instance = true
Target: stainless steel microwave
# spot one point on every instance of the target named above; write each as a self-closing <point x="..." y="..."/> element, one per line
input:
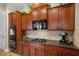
<point x="39" y="24"/>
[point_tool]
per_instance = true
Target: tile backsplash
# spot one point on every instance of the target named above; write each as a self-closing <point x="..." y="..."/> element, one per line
<point x="45" y="34"/>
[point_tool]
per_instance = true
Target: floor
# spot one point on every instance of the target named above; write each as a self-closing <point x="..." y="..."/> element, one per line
<point x="2" y="53"/>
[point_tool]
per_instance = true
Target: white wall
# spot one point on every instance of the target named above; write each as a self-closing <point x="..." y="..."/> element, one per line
<point x="2" y="25"/>
<point x="76" y="37"/>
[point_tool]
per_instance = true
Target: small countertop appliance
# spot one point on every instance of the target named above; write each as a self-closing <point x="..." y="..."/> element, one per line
<point x="65" y="38"/>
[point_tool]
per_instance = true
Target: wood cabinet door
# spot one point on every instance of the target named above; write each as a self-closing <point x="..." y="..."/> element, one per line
<point x="26" y="49"/>
<point x="35" y="14"/>
<point x="63" y="52"/>
<point x="74" y="52"/>
<point x="53" y="19"/>
<point x="51" y="50"/>
<point x="66" y="17"/>
<point x="18" y="26"/>
<point x="43" y="12"/>
<point x="39" y="50"/>
<point x="24" y="22"/>
<point x="29" y="22"/>
<point x="19" y="48"/>
<point x="12" y="19"/>
<point x="32" y="50"/>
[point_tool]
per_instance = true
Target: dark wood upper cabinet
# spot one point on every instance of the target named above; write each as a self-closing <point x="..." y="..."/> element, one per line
<point x="53" y="19"/>
<point x="18" y="25"/>
<point x="40" y="13"/>
<point x="43" y="12"/>
<point x="24" y="22"/>
<point x="35" y="14"/>
<point x="29" y="22"/>
<point x="12" y="19"/>
<point x="62" y="18"/>
<point x="67" y="17"/>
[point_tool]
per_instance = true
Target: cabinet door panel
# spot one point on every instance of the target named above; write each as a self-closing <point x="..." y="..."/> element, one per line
<point x="18" y="26"/>
<point x="35" y="14"/>
<point x="12" y="18"/>
<point x="19" y="48"/>
<point x="24" y="22"/>
<point x="29" y="22"/>
<point x="43" y="12"/>
<point x="39" y="50"/>
<point x="32" y="50"/>
<point x="53" y="19"/>
<point x="66" y="17"/>
<point x="25" y="49"/>
<point x="74" y="52"/>
<point x="49" y="52"/>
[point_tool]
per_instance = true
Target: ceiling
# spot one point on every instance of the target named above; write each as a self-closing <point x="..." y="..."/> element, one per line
<point x="17" y="6"/>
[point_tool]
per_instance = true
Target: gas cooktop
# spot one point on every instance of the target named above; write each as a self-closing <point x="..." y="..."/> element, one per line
<point x="38" y="40"/>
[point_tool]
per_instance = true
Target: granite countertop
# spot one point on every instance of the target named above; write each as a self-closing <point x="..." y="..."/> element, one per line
<point x="53" y="42"/>
<point x="57" y="43"/>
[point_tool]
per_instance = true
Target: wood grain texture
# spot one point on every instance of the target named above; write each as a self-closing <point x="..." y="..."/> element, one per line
<point x="53" y="19"/>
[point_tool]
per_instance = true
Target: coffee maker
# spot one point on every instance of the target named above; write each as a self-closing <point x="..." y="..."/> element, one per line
<point x="65" y="38"/>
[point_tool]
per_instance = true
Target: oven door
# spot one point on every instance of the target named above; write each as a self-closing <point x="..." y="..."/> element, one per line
<point x="12" y="37"/>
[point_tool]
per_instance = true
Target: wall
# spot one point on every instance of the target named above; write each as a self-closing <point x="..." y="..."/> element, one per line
<point x="76" y="36"/>
<point x="2" y="25"/>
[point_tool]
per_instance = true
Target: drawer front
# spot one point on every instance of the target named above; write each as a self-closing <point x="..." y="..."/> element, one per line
<point x="50" y="52"/>
<point x="74" y="53"/>
<point x="51" y="47"/>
